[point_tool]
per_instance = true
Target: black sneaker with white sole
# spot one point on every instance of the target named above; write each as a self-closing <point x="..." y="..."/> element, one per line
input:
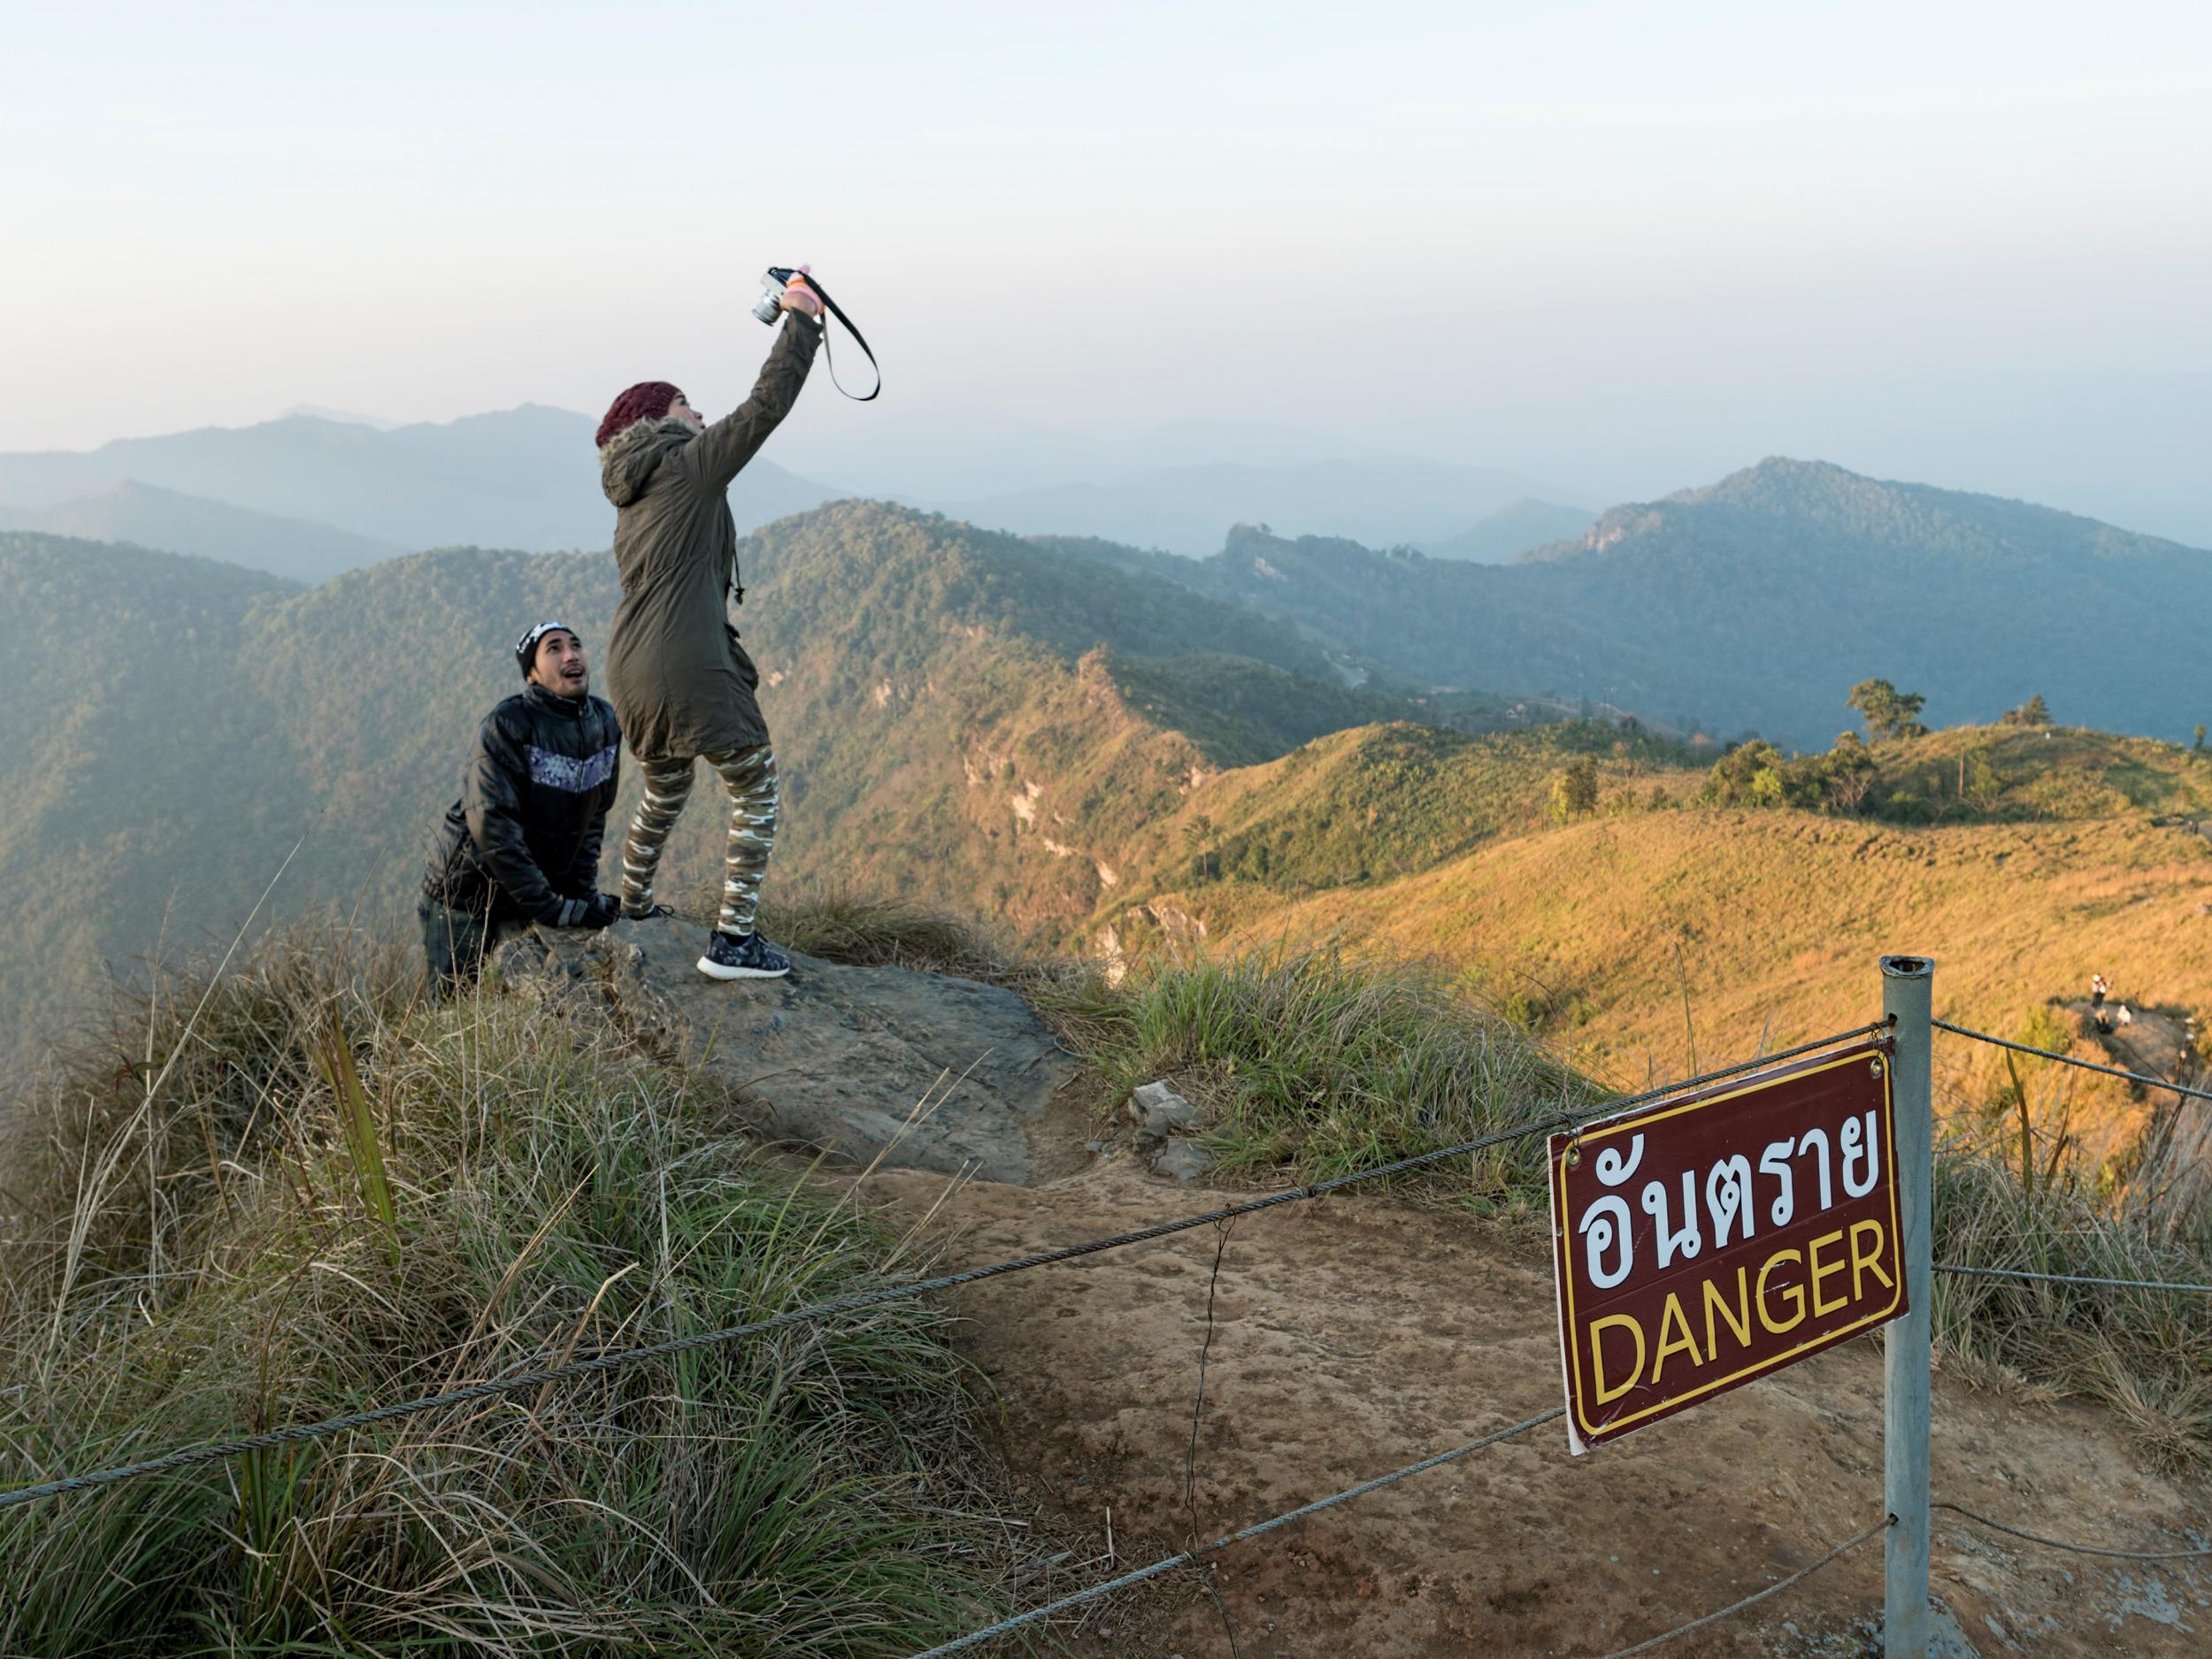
<point x="742" y="956"/>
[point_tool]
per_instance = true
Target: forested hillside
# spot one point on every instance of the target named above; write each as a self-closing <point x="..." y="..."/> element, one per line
<point x="1753" y="602"/>
<point x="961" y="716"/>
<point x="141" y="760"/>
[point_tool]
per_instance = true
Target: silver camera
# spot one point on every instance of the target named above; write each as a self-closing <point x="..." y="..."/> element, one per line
<point x="773" y="283"/>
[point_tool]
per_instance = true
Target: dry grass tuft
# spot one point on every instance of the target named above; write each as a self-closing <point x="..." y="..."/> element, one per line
<point x="1319" y="1065"/>
<point x="2146" y="1353"/>
<point x="841" y="923"/>
<point x="212" y="1253"/>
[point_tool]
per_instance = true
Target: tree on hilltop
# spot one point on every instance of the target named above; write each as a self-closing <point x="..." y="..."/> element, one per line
<point x="1887" y="711"/>
<point x="1757" y="774"/>
<point x="1574" y="792"/>
<point x="1749" y="774"/>
<point x="1847" y="774"/>
<point x="1198" y="835"/>
<point x="2034" y="711"/>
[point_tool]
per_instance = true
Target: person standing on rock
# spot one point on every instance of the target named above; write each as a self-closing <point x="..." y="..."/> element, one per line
<point x="681" y="682"/>
<point x="522" y="843"/>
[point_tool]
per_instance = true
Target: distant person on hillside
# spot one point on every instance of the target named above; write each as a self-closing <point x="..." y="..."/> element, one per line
<point x="2099" y="989"/>
<point x="681" y="680"/>
<point x="522" y="843"/>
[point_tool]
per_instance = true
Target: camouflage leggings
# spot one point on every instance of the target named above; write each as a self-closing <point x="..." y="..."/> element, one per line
<point x="751" y="775"/>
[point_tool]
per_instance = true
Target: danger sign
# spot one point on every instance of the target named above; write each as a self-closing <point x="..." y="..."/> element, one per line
<point x="1711" y="1238"/>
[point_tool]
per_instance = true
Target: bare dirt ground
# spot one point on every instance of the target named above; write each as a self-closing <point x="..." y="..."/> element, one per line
<point x="1356" y="1334"/>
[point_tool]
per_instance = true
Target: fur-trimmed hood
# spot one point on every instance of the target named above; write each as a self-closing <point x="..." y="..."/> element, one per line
<point x="680" y="681"/>
<point x="632" y="455"/>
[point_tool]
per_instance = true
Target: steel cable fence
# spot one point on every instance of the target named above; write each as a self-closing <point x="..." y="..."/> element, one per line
<point x="189" y="1457"/>
<point x="1223" y="1217"/>
<point x="2145" y="1078"/>
<point x="2075" y="1549"/>
<point x="1169" y="1563"/>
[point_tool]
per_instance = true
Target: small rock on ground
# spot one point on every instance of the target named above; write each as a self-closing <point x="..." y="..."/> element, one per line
<point x="1185" y="1160"/>
<point x="1159" y="1111"/>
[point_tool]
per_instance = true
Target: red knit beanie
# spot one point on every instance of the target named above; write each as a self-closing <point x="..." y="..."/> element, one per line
<point x="647" y="400"/>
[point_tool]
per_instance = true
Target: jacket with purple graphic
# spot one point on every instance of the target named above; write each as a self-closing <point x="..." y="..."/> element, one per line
<point x="525" y="835"/>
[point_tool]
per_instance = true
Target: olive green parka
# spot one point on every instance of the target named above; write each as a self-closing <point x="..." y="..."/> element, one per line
<point x="681" y="684"/>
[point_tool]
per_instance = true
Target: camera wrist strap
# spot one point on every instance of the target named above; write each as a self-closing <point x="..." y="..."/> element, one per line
<point x="838" y="312"/>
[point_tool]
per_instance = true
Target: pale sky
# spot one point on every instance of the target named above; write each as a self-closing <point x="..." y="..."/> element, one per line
<point x="1595" y="240"/>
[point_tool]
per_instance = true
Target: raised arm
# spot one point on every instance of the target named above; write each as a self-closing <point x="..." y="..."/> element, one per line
<point x="716" y="454"/>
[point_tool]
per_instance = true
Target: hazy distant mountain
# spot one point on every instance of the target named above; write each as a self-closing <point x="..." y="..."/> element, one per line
<point x="526" y="477"/>
<point x="981" y="454"/>
<point x="1513" y="530"/>
<point x="1761" y="601"/>
<point x="1188" y="510"/>
<point x="343" y="417"/>
<point x="175" y="523"/>
<point x="2126" y="446"/>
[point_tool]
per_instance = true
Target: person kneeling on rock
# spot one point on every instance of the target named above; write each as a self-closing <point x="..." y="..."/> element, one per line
<point x="521" y="845"/>
<point x="684" y="684"/>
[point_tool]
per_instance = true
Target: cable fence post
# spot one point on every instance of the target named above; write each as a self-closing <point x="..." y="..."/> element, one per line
<point x="1907" y="984"/>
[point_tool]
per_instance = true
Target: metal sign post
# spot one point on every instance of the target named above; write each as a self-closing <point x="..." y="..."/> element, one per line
<point x="1907" y="984"/>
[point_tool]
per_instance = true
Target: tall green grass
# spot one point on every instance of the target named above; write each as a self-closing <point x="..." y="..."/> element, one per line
<point x="1316" y="1064"/>
<point x="339" y="1197"/>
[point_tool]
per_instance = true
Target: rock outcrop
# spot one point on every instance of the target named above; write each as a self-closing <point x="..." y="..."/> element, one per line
<point x="926" y="1071"/>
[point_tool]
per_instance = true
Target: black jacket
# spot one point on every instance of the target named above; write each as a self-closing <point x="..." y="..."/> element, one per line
<point x="525" y="833"/>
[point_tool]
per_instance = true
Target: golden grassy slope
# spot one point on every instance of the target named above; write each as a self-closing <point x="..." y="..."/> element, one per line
<point x="1774" y="921"/>
<point x="1435" y="845"/>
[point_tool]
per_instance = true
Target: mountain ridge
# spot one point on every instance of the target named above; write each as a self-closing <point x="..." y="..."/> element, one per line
<point x="1899" y="511"/>
<point x="1186" y="509"/>
<point x="1760" y="601"/>
<point x="524" y="477"/>
<point x="171" y="521"/>
<point x="1516" y="528"/>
